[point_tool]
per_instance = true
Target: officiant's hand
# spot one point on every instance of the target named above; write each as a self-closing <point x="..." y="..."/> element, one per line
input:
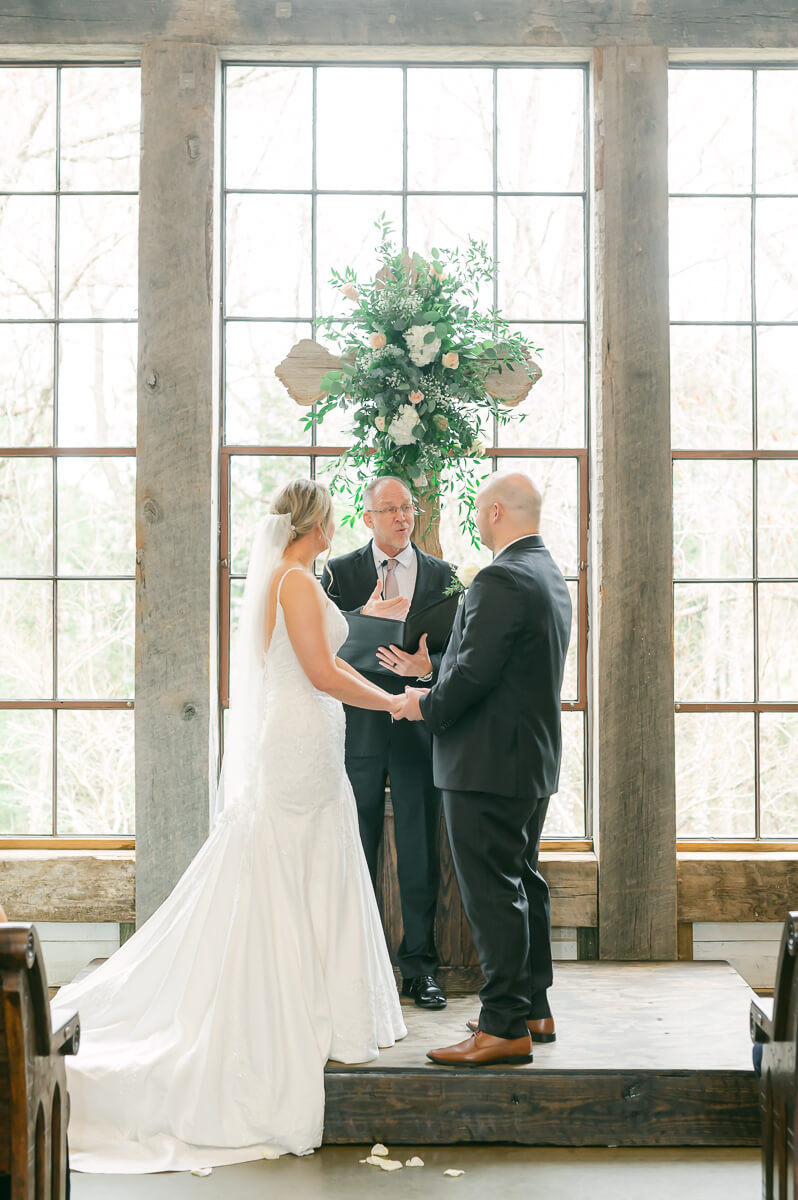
<point x="413" y="666"/>
<point x="397" y="609"/>
<point x="410" y="709"/>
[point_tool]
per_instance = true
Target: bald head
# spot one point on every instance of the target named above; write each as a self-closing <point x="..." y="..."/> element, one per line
<point x="508" y="507"/>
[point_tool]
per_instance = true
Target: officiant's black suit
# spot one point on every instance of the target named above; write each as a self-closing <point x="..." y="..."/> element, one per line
<point x="376" y="748"/>
<point x="495" y="716"/>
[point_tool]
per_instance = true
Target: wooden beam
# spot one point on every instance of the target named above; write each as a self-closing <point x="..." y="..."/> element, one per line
<point x="72" y="885"/>
<point x="632" y="508"/>
<point x="737" y="887"/>
<point x="176" y="494"/>
<point x="548" y="24"/>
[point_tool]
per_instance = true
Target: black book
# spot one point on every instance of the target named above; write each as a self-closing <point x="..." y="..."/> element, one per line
<point x="367" y="633"/>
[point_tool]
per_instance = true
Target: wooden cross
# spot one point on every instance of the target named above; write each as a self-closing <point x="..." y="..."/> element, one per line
<point x="307" y="363"/>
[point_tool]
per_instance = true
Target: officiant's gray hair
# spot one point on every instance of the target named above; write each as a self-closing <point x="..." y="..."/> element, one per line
<point x="307" y="502"/>
<point x="373" y="484"/>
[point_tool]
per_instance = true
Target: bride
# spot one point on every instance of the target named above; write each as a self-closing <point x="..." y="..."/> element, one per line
<point x="205" y="1036"/>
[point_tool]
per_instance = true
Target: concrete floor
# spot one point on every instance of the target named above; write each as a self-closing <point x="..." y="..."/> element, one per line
<point x="497" y="1172"/>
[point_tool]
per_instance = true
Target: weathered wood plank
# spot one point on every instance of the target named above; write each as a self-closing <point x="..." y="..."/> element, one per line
<point x="737" y="887"/>
<point x="632" y="508"/>
<point x="176" y="495"/>
<point x="74" y="885"/>
<point x="241" y="23"/>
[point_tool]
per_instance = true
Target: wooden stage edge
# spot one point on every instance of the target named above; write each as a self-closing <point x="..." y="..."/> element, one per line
<point x="647" y="1054"/>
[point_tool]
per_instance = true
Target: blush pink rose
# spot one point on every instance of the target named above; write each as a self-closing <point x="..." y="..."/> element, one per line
<point x="380" y="423"/>
<point x="416" y="397"/>
<point x="350" y="291"/>
<point x="451" y="360"/>
<point x="377" y="340"/>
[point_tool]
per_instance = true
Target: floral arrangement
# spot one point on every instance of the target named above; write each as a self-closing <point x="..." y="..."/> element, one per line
<point x="462" y="579"/>
<point x="417" y="361"/>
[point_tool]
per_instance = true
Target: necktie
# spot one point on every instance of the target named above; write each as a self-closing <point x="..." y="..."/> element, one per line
<point x="390" y="588"/>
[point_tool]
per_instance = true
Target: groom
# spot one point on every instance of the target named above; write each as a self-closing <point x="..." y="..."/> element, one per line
<point x="389" y="577"/>
<point x="495" y="717"/>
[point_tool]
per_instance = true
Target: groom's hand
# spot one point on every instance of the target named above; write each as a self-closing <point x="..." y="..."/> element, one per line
<point x="410" y="709"/>
<point x="412" y="666"/>
<point x="397" y="609"/>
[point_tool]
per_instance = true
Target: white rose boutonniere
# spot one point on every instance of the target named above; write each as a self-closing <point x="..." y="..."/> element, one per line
<point x="462" y="579"/>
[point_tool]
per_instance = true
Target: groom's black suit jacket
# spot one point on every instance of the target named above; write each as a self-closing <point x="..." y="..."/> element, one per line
<point x="495" y="710"/>
<point x="349" y="580"/>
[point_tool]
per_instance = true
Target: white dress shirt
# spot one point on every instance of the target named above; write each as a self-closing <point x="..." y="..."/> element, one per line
<point x="406" y="569"/>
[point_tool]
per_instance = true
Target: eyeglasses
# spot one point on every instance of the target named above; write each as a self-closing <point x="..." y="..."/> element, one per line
<point x="405" y="509"/>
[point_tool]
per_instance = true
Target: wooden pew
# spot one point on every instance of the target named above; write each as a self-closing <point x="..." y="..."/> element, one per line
<point x="775" y="1028"/>
<point x="33" y="1095"/>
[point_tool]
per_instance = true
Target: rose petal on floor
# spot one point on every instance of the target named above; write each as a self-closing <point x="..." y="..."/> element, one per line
<point x="380" y="1150"/>
<point x="452" y="1173"/>
<point x="389" y="1164"/>
<point x="202" y="1171"/>
<point x="415" y="1161"/>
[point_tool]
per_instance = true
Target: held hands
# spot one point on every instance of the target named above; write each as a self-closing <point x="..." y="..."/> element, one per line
<point x="397" y="609"/>
<point x="409" y="707"/>
<point x="399" y="662"/>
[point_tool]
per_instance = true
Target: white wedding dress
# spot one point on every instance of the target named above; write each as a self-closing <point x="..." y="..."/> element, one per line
<point x="206" y="1035"/>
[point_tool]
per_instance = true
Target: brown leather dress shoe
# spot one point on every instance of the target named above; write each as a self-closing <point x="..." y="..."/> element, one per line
<point x="541" y="1030"/>
<point x="484" y="1050"/>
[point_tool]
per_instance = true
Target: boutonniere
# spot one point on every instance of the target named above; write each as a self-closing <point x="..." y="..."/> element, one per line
<point x="462" y="578"/>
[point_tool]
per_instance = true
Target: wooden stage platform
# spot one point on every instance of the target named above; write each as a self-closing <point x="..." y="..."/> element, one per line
<point x="647" y="1054"/>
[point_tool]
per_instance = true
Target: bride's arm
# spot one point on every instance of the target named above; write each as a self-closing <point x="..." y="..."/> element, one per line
<point x="306" y="623"/>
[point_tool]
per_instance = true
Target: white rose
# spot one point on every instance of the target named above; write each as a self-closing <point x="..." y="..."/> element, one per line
<point x="467" y="575"/>
<point x="420" y="351"/>
<point x="402" y="426"/>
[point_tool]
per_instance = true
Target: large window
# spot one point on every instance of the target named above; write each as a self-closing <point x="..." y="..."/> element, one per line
<point x="734" y="337"/>
<point x="313" y="155"/>
<point x="69" y="152"/>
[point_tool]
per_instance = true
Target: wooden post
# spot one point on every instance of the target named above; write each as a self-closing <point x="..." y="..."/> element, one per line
<point x="176" y="495"/>
<point x="632" y="519"/>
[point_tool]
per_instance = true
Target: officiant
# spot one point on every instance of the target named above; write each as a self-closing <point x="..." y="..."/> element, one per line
<point x="391" y="577"/>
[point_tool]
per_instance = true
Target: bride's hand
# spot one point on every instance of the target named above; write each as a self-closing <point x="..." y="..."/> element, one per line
<point x="397" y="705"/>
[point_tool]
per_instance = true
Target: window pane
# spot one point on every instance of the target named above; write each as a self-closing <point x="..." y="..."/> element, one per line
<point x="268" y="256"/>
<point x="26" y="640"/>
<point x="100" y="110"/>
<point x="26" y="385"/>
<point x="359" y="128"/>
<point x="99" y="256"/>
<point x="96" y="773"/>
<point x="566" y="815"/>
<point x="570" y="683"/>
<point x="557" y="480"/>
<point x="26" y="516"/>
<point x="777" y="501"/>
<point x="541" y="258"/>
<point x="715" y="775"/>
<point x="777" y="412"/>
<point x="778" y="765"/>
<point x="711" y="405"/>
<point x="258" y="409"/>
<point x="455" y="544"/>
<point x="777" y="131"/>
<point x="346" y="237"/>
<point x="710" y="260"/>
<point x="778" y="641"/>
<point x="713" y="642"/>
<point x="253" y="483"/>
<point x="27" y="130"/>
<point x="97" y="384"/>
<point x="450" y="129"/>
<point x="554" y="413"/>
<point x="777" y="260"/>
<point x="96" y="627"/>
<point x="27" y="256"/>
<point x="346" y="537"/>
<point x="26" y="772"/>
<point x="540" y="128"/>
<point x="269" y="125"/>
<point x="712" y="519"/>
<point x="710" y="116"/>
<point x="96" y="516"/>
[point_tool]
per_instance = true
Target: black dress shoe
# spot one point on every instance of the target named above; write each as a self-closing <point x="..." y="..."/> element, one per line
<point x="425" y="990"/>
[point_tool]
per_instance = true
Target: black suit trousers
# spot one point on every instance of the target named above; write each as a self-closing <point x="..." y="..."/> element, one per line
<point x="495" y="843"/>
<point x="416" y="816"/>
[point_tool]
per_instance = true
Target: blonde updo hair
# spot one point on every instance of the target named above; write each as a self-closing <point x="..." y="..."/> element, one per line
<point x="307" y="503"/>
